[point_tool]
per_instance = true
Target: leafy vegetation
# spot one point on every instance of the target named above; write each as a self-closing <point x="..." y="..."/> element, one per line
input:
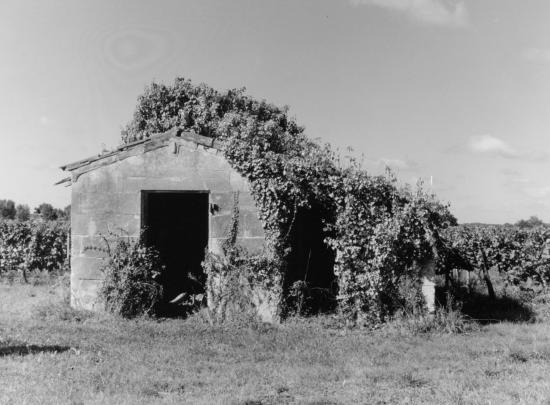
<point x="381" y="235"/>
<point x="239" y="282"/>
<point x="131" y="285"/>
<point x="520" y="255"/>
<point x="377" y="231"/>
<point x="32" y="245"/>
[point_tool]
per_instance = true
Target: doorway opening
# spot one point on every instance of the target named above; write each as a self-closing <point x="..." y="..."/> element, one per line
<point x="176" y="224"/>
<point x="310" y="283"/>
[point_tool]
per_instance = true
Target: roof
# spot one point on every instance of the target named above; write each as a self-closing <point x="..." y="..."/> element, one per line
<point x="156" y="141"/>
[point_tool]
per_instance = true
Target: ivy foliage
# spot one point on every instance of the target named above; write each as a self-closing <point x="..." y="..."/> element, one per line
<point x="382" y="234"/>
<point x="377" y="230"/>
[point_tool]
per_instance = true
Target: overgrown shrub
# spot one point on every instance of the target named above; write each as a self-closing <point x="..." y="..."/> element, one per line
<point x="132" y="271"/>
<point x="381" y="234"/>
<point x="240" y="285"/>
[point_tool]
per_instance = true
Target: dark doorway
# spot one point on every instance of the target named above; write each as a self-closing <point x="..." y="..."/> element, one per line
<point x="176" y="223"/>
<point x="310" y="283"/>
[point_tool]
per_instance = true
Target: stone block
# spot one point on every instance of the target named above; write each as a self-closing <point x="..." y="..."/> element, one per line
<point x="217" y="181"/>
<point x="87" y="267"/>
<point x="119" y="224"/>
<point x="105" y="223"/>
<point x="238" y="183"/>
<point x="193" y="181"/>
<point x="82" y="224"/>
<point x="246" y="200"/>
<point x="132" y="166"/>
<point x="206" y="160"/>
<point x="129" y="203"/>
<point x="89" y="246"/>
<point x="252" y="226"/>
<point x="186" y="181"/>
<point x="220" y="225"/>
<point x="133" y="184"/>
<point x="102" y="179"/>
<point x="252" y="245"/>
<point x="188" y="159"/>
<point x="92" y="202"/>
<point x="224" y="201"/>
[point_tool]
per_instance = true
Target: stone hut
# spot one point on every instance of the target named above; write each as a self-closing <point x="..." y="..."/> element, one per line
<point x="176" y="187"/>
<point x="179" y="191"/>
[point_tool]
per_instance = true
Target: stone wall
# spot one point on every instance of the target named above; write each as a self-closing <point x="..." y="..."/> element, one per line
<point x="107" y="198"/>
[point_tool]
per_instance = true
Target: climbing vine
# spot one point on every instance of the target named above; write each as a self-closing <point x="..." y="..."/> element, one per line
<point x="381" y="234"/>
<point x="238" y="281"/>
<point x="377" y="230"/>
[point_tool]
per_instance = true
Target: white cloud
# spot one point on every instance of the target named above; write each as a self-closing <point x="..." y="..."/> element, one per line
<point x="490" y="145"/>
<point x="537" y="55"/>
<point x="435" y="12"/>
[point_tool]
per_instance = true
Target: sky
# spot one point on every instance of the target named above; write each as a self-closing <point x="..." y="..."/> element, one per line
<point x="456" y="93"/>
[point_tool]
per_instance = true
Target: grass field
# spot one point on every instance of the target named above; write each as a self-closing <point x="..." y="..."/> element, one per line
<point x="50" y="354"/>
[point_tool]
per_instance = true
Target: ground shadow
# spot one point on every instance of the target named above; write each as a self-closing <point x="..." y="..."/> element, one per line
<point x="484" y="310"/>
<point x="23" y="350"/>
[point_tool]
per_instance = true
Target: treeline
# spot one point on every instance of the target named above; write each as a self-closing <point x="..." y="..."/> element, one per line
<point x="9" y="210"/>
<point x="532" y="222"/>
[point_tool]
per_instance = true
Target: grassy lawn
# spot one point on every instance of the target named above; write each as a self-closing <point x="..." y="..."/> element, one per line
<point x="52" y="355"/>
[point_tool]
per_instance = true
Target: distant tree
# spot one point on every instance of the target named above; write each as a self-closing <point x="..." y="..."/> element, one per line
<point x="532" y="222"/>
<point x="7" y="209"/>
<point x="22" y="212"/>
<point x="47" y="212"/>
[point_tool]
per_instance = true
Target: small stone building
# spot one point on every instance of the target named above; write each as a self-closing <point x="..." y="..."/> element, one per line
<point x="179" y="191"/>
<point x="177" y="188"/>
